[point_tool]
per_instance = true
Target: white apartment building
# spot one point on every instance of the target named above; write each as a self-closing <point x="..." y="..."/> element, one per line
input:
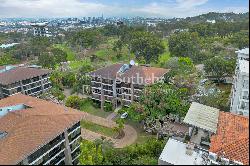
<point x="240" y="89"/>
<point x="41" y="29"/>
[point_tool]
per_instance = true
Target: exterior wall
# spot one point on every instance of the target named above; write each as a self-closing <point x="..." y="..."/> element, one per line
<point x="113" y="91"/>
<point x="41" y="31"/>
<point x="64" y="149"/>
<point x="32" y="87"/>
<point x="240" y="95"/>
<point x="240" y="89"/>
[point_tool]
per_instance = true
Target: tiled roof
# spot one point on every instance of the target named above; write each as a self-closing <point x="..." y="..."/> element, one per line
<point x="20" y="73"/>
<point x="232" y="138"/>
<point x="107" y="72"/>
<point x="148" y="74"/>
<point x="29" y="129"/>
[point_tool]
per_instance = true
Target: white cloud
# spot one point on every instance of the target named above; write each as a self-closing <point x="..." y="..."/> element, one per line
<point x="190" y="3"/>
<point x="50" y="8"/>
<point x="80" y="8"/>
<point x="184" y="8"/>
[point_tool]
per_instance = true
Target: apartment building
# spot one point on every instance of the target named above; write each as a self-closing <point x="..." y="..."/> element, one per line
<point x="121" y="84"/>
<point x="216" y="138"/>
<point x="240" y="88"/>
<point x="38" y="132"/>
<point x="29" y="80"/>
<point x="41" y="29"/>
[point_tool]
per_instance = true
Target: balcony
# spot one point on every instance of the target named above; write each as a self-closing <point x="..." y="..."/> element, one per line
<point x="108" y="98"/>
<point x="126" y="102"/>
<point x="107" y="81"/>
<point x="96" y="96"/>
<point x="94" y="84"/>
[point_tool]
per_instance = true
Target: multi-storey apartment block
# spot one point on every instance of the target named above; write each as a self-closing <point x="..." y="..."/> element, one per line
<point x="215" y="138"/>
<point x="240" y="89"/>
<point x="34" y="132"/>
<point x="121" y="84"/>
<point x="28" y="80"/>
<point x="41" y="29"/>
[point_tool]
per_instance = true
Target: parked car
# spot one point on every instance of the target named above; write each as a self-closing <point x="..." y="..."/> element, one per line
<point x="124" y="115"/>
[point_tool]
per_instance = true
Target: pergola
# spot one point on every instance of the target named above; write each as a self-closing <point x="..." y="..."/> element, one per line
<point x="203" y="117"/>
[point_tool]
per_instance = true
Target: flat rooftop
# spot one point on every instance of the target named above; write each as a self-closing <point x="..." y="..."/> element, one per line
<point x="244" y="66"/>
<point x="174" y="153"/>
<point x="203" y="117"/>
<point x="23" y="131"/>
<point x="11" y="74"/>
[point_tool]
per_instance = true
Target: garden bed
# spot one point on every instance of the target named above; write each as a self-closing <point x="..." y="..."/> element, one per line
<point x="109" y="132"/>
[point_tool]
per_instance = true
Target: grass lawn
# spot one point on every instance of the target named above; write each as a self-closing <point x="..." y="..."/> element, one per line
<point x="98" y="128"/>
<point x="70" y="54"/>
<point x="74" y="65"/>
<point x="89" y="108"/>
<point x="142" y="135"/>
<point x="225" y="87"/>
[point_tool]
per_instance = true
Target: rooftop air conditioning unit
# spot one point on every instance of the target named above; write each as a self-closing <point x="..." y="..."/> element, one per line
<point x="212" y="156"/>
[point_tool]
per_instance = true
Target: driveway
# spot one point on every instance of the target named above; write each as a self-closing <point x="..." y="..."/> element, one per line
<point x="130" y="133"/>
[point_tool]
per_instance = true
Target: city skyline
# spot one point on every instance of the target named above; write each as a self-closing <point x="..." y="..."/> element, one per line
<point x="119" y="8"/>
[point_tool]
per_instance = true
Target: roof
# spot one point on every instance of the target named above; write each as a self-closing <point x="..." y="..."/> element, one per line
<point x="232" y="137"/>
<point x="135" y="74"/>
<point x="107" y="72"/>
<point x="203" y="117"/>
<point x="174" y="153"/>
<point x="244" y="66"/>
<point x="29" y="129"/>
<point x="20" y="73"/>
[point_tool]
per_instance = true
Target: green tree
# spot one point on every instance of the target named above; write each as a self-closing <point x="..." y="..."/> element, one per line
<point x="69" y="78"/>
<point x="7" y="59"/>
<point x="86" y="39"/>
<point x="146" y="45"/>
<point x="240" y="39"/>
<point x="219" y="67"/>
<point x="73" y="102"/>
<point x="56" y="79"/>
<point x="161" y="99"/>
<point x="91" y="154"/>
<point x="185" y="44"/>
<point x="120" y="126"/>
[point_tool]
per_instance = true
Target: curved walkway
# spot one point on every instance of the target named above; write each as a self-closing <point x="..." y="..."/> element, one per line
<point x="130" y="133"/>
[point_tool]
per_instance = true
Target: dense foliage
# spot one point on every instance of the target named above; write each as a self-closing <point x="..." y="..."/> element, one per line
<point x="98" y="153"/>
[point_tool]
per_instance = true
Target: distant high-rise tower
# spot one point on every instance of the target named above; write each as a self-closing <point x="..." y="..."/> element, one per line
<point x="240" y="89"/>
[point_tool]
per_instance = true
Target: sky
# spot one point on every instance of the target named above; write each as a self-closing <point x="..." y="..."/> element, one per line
<point x="117" y="8"/>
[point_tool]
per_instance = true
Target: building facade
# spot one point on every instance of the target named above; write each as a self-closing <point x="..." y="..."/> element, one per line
<point x="28" y="80"/>
<point x="122" y="84"/>
<point x="44" y="133"/>
<point x="215" y="138"/>
<point x="240" y="89"/>
<point x="41" y="30"/>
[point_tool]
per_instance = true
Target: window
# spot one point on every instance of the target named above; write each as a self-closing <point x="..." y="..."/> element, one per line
<point x="245" y="84"/>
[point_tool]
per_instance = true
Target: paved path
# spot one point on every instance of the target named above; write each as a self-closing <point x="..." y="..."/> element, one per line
<point x="113" y="114"/>
<point x="130" y="133"/>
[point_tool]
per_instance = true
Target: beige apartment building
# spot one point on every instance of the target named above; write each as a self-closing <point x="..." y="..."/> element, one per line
<point x="122" y="84"/>
<point x="38" y="132"/>
<point x="28" y="80"/>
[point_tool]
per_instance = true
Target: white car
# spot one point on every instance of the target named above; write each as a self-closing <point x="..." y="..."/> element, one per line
<point x="124" y="115"/>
